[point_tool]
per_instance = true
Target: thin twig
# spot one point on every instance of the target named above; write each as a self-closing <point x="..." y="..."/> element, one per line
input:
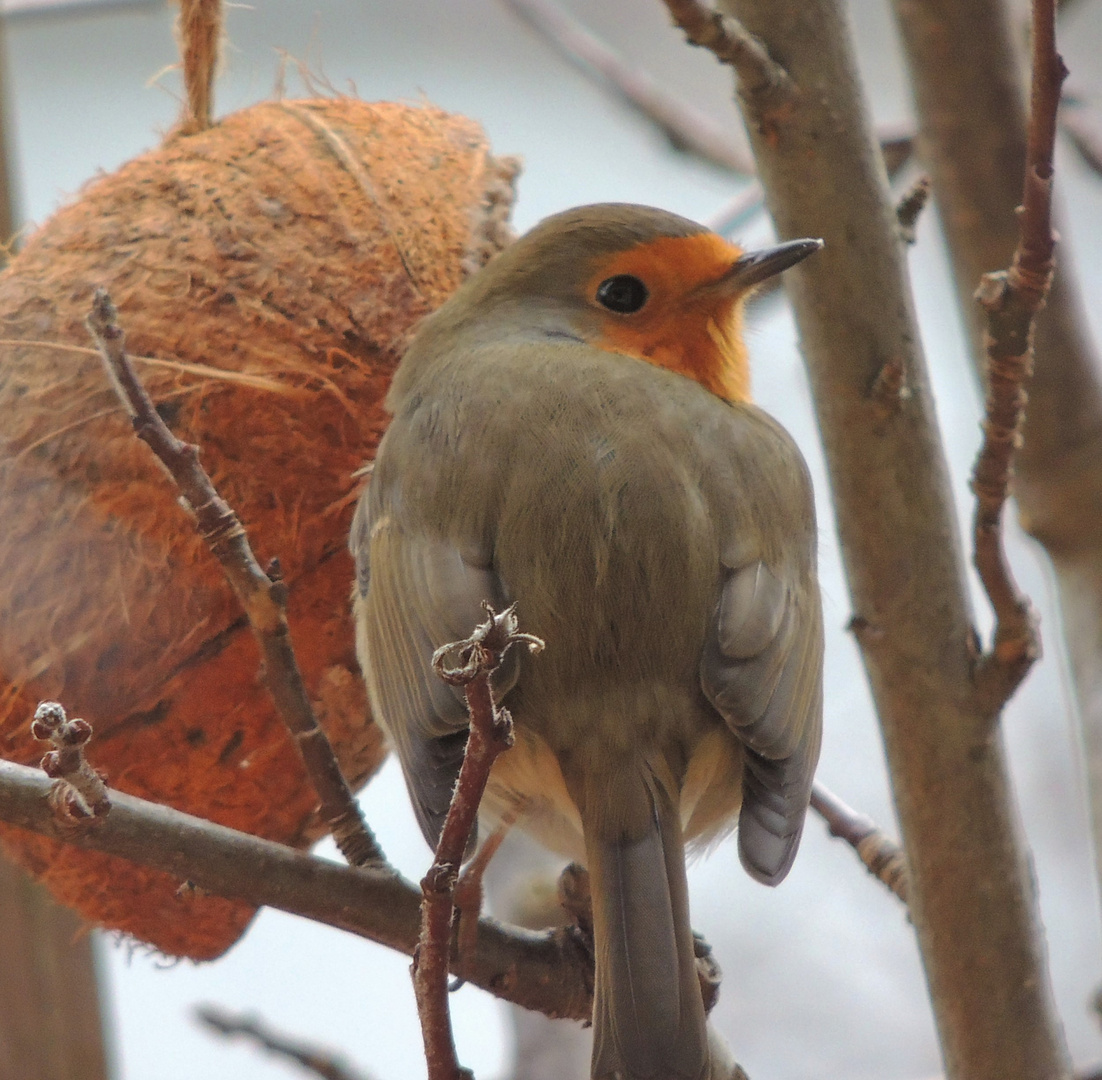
<point x="882" y="856"/>
<point x="204" y="371"/>
<point x="543" y="971"/>
<point x="320" y="1062"/>
<point x="1011" y="300"/>
<point x="687" y="128"/>
<point x="262" y="595"/>
<point x="759" y="75"/>
<point x="491" y="732"/>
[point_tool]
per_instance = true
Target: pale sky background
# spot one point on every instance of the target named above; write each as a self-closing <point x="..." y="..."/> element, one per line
<point x="822" y="976"/>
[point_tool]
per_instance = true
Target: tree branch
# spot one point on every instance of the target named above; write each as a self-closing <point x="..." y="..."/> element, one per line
<point x="262" y="595"/>
<point x="687" y="128"/>
<point x="963" y="61"/>
<point x="1011" y="300"/>
<point x="970" y="892"/>
<point x="882" y="856"/>
<point x="546" y="972"/>
<point x="490" y="733"/>
<point x="318" y="1061"/>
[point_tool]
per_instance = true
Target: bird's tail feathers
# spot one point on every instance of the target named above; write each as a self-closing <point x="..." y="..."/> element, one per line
<point x="648" y="1015"/>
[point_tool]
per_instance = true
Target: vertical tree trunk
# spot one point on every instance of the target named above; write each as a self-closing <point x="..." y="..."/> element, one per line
<point x="971" y="892"/>
<point x="50" y="1025"/>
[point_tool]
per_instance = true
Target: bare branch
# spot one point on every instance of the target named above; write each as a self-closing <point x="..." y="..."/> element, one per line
<point x="970" y="893"/>
<point x="882" y="856"/>
<point x="262" y="595"/>
<point x="491" y="732"/>
<point x="321" y="1062"/>
<point x="1011" y="301"/>
<point x="687" y="128"/>
<point x="969" y="94"/>
<point x="542" y="971"/>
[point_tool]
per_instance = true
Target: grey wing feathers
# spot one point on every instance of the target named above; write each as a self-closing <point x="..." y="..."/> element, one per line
<point x="414" y="594"/>
<point x="762" y="670"/>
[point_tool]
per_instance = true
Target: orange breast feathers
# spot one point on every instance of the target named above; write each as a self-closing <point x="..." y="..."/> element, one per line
<point x="692" y="321"/>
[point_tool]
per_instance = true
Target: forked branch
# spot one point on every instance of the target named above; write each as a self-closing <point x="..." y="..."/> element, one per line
<point x="491" y="732"/>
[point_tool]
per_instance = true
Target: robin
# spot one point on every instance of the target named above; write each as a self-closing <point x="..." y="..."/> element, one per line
<point x="572" y="431"/>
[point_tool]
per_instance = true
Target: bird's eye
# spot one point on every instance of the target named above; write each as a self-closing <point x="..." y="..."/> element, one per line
<point x="623" y="294"/>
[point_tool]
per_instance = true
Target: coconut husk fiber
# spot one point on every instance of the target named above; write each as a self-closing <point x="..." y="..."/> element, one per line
<point x="273" y="265"/>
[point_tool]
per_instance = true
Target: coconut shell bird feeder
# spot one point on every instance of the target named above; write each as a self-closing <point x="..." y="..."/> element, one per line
<point x="268" y="270"/>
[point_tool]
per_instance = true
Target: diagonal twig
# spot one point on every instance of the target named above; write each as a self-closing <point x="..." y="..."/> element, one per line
<point x="491" y="732"/>
<point x="262" y="595"/>
<point x="1011" y="299"/>
<point x="882" y="856"/>
<point x="687" y="127"/>
<point x="320" y="1062"/>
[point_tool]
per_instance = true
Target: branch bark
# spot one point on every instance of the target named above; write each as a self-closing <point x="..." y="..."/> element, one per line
<point x="491" y="733"/>
<point x="546" y="972"/>
<point x="970" y="890"/>
<point x="969" y="92"/>
<point x="1011" y="300"/>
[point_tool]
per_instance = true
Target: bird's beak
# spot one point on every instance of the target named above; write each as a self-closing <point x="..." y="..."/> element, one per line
<point x="756" y="266"/>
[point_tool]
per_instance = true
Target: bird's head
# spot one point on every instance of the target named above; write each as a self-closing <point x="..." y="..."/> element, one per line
<point x="628" y="279"/>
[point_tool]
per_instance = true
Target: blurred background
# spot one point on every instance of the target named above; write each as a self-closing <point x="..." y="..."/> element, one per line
<point x="822" y="976"/>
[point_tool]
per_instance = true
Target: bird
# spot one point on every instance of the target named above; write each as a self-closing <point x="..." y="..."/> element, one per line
<point x="572" y="432"/>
